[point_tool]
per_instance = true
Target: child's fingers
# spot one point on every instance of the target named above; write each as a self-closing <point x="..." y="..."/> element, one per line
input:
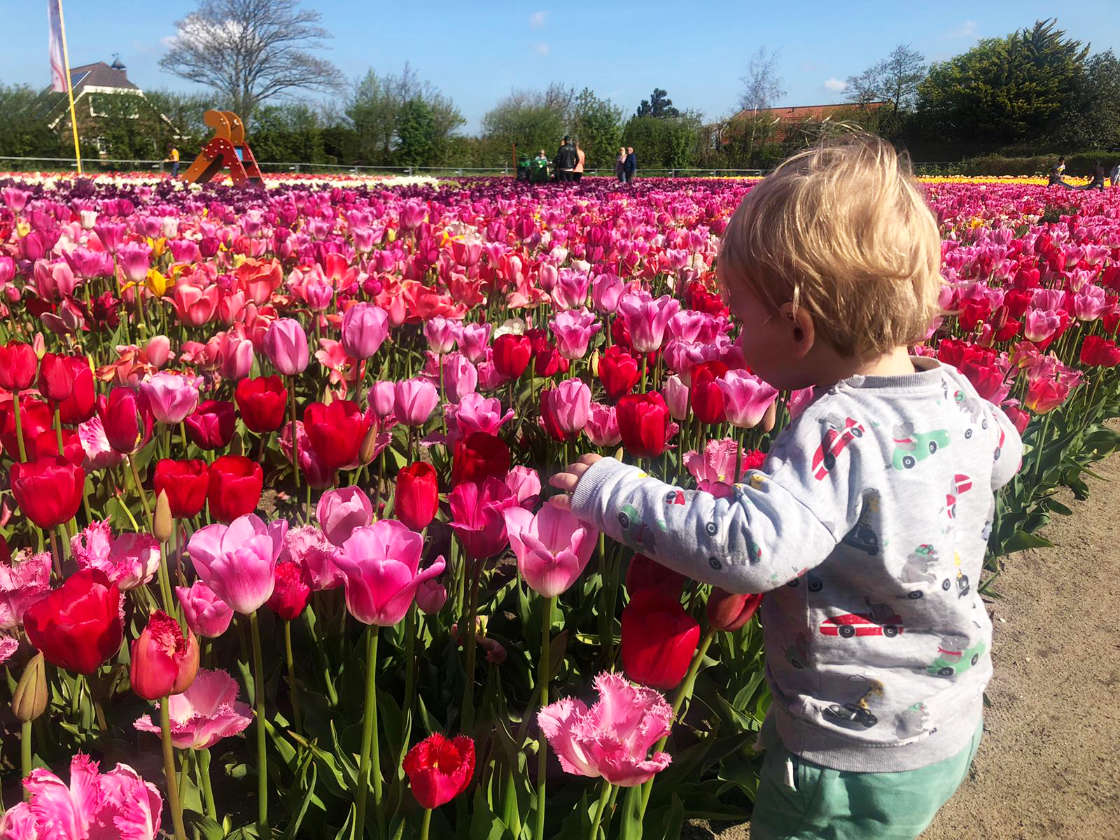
<point x="564" y="481"/>
<point x="562" y="501"/>
<point x="589" y="458"/>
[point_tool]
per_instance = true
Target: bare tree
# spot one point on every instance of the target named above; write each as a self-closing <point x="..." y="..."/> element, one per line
<point x="762" y="84"/>
<point x="895" y="79"/>
<point x="250" y="51"/>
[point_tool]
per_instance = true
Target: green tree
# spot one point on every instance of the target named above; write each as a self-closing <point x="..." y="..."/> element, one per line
<point x="598" y="127"/>
<point x="1003" y="90"/>
<point x="664" y="142"/>
<point x="24" y="131"/>
<point x="659" y="105"/>
<point x="415" y="133"/>
<point x="531" y="120"/>
<point x="1092" y="119"/>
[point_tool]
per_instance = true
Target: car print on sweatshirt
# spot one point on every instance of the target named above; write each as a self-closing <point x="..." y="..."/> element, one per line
<point x="912" y="447"/>
<point x="837" y="436"/>
<point x="848" y="625"/>
<point x="950" y="663"/>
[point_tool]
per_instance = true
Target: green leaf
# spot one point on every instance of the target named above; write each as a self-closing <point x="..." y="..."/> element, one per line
<point x="631" y="816"/>
<point x="1022" y="540"/>
<point x="485" y="824"/>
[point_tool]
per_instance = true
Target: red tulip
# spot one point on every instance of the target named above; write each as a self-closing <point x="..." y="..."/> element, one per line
<point x="512" y="354"/>
<point x="185" y="483"/>
<point x="211" y="425"/>
<point x="658" y="640"/>
<point x="35" y="417"/>
<point x="127" y="420"/>
<point x="48" y="490"/>
<point x="234" y="488"/>
<point x="643" y="423"/>
<point x="261" y="402"/>
<point x="336" y="431"/>
<point x="163" y="661"/>
<point x="82" y="403"/>
<point x="77" y="626"/>
<point x="439" y="769"/>
<point x="17" y="366"/>
<point x="705" y="396"/>
<point x="618" y="371"/>
<point x="477" y="456"/>
<point x="730" y="612"/>
<point x="1099" y="352"/>
<point x="417" y="497"/>
<point x="290" y="591"/>
<point x="45" y="445"/>
<point x="645" y="575"/>
<point x="56" y="377"/>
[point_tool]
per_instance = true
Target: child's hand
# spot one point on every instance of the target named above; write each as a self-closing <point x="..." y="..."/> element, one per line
<point x="568" y="480"/>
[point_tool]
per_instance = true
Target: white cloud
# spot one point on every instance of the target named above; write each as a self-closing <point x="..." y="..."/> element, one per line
<point x="542" y="48"/>
<point x="832" y="83"/>
<point x="965" y="30"/>
<point x="537" y="19"/>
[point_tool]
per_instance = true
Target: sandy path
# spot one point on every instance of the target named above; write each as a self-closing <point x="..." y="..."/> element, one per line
<point x="1049" y="764"/>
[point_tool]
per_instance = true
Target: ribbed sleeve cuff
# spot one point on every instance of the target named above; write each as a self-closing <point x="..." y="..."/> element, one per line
<point x="586" y="503"/>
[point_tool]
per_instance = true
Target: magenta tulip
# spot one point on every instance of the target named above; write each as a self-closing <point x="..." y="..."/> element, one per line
<point x="415" y="399"/>
<point x="206" y="613"/>
<point x="746" y="397"/>
<point x="238" y="561"/>
<point x="204" y="714"/>
<point x="364" y="328"/>
<point x="171" y="396"/>
<point x="285" y="344"/>
<point x="552" y="547"/>
<point x="341" y="511"/>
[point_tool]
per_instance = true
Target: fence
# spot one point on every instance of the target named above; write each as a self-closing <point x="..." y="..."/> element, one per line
<point x="103" y="165"/>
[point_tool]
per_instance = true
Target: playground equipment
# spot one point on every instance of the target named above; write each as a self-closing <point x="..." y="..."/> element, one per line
<point x="226" y="150"/>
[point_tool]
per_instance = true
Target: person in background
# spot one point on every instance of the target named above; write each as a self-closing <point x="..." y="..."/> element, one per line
<point x="631" y="164"/>
<point x="1114" y="175"/>
<point x="1057" y="171"/>
<point x="565" y="162"/>
<point x="1098" y="178"/>
<point x="620" y="165"/>
<point x="173" y="159"/>
<point x="581" y="156"/>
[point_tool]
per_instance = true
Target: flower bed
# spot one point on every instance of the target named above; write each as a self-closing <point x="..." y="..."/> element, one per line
<point x="276" y="459"/>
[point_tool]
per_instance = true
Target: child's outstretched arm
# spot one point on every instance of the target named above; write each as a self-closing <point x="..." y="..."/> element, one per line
<point x="772" y="529"/>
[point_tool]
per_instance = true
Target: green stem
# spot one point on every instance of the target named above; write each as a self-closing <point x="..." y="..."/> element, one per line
<point x="165" y="585"/>
<point x="295" y="435"/>
<point x="19" y="428"/>
<point x="370" y="756"/>
<point x="262" y="754"/>
<point x="169" y="771"/>
<point x="409" y="657"/>
<point x="603" y="797"/>
<point x="470" y="643"/>
<point x="140" y="491"/>
<point x="683" y="693"/>
<point x="544" y="668"/>
<point x="205" y="784"/>
<point x="289" y="660"/>
<point x="426" y="824"/>
<point x="58" y="429"/>
<point x="25" y="753"/>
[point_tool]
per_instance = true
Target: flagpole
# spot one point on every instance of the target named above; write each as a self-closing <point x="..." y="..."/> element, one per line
<point x="69" y="88"/>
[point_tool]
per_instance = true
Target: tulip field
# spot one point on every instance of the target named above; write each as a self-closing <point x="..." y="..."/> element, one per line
<point x="275" y="557"/>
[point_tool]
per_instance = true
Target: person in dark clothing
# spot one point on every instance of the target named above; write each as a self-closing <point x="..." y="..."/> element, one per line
<point x="631" y="165"/>
<point x="566" y="159"/>
<point x="1098" y="178"/>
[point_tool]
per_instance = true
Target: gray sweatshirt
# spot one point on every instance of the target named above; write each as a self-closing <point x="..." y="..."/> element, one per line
<point x="867" y="527"/>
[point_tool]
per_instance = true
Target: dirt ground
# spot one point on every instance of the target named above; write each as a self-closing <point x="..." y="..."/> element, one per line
<point x="1049" y="764"/>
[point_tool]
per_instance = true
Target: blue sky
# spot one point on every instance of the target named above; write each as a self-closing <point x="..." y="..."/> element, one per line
<point x="476" y="52"/>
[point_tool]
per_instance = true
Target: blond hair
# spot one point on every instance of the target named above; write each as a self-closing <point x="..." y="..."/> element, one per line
<point x="843" y="231"/>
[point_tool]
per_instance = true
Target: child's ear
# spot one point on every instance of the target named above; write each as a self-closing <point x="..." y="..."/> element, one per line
<point x="801" y="330"/>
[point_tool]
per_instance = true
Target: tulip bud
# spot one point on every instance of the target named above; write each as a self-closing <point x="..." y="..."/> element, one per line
<point x="730" y="612"/>
<point x="368" y="450"/>
<point x="595" y="363"/>
<point x="30" y="697"/>
<point x="770" y="417"/>
<point x="163" y="526"/>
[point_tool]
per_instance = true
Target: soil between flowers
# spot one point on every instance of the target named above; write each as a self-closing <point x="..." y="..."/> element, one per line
<point x="1049" y="764"/>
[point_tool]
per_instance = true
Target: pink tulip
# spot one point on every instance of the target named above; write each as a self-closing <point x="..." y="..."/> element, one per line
<point x="96" y="806"/>
<point x="646" y="319"/>
<point x="53" y="279"/>
<point x="606" y="289"/>
<point x="567" y="406"/>
<point x="238" y="561"/>
<point x="415" y="399"/>
<point x="382" y="567"/>
<point x="206" y="613"/>
<point x="204" y="714"/>
<point x="460" y="377"/>
<point x="1090" y="303"/>
<point x="602" y="425"/>
<point x="171" y="396"/>
<point x="1039" y="325"/>
<point x="382" y="398"/>
<point x="128" y="560"/>
<point x="341" y="511"/>
<point x="525" y="485"/>
<point x="234" y="354"/>
<point x="746" y="397"/>
<point x="135" y="260"/>
<point x="158" y="350"/>
<point x="573" y="329"/>
<point x="799" y="400"/>
<point x="611" y="739"/>
<point x="364" y="328"/>
<point x="23" y="581"/>
<point x="476" y="516"/>
<point x="717" y="469"/>
<point x="431" y="595"/>
<point x="552" y="547"/>
<point x="195" y="306"/>
<point x="675" y="392"/>
<point x="473" y="341"/>
<point x="285" y="345"/>
<point x="474" y="413"/>
<point x="442" y="334"/>
<point x="570" y="291"/>
<point x="311" y="466"/>
<point x="98" y="453"/>
<point x="309" y="547"/>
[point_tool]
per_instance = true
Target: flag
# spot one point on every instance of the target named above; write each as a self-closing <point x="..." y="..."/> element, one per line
<point x="58" y="72"/>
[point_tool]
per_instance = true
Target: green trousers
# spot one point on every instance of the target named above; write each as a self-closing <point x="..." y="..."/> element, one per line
<point x="799" y="800"/>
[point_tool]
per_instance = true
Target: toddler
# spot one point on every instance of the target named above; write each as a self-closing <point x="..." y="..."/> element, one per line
<point x="867" y="524"/>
